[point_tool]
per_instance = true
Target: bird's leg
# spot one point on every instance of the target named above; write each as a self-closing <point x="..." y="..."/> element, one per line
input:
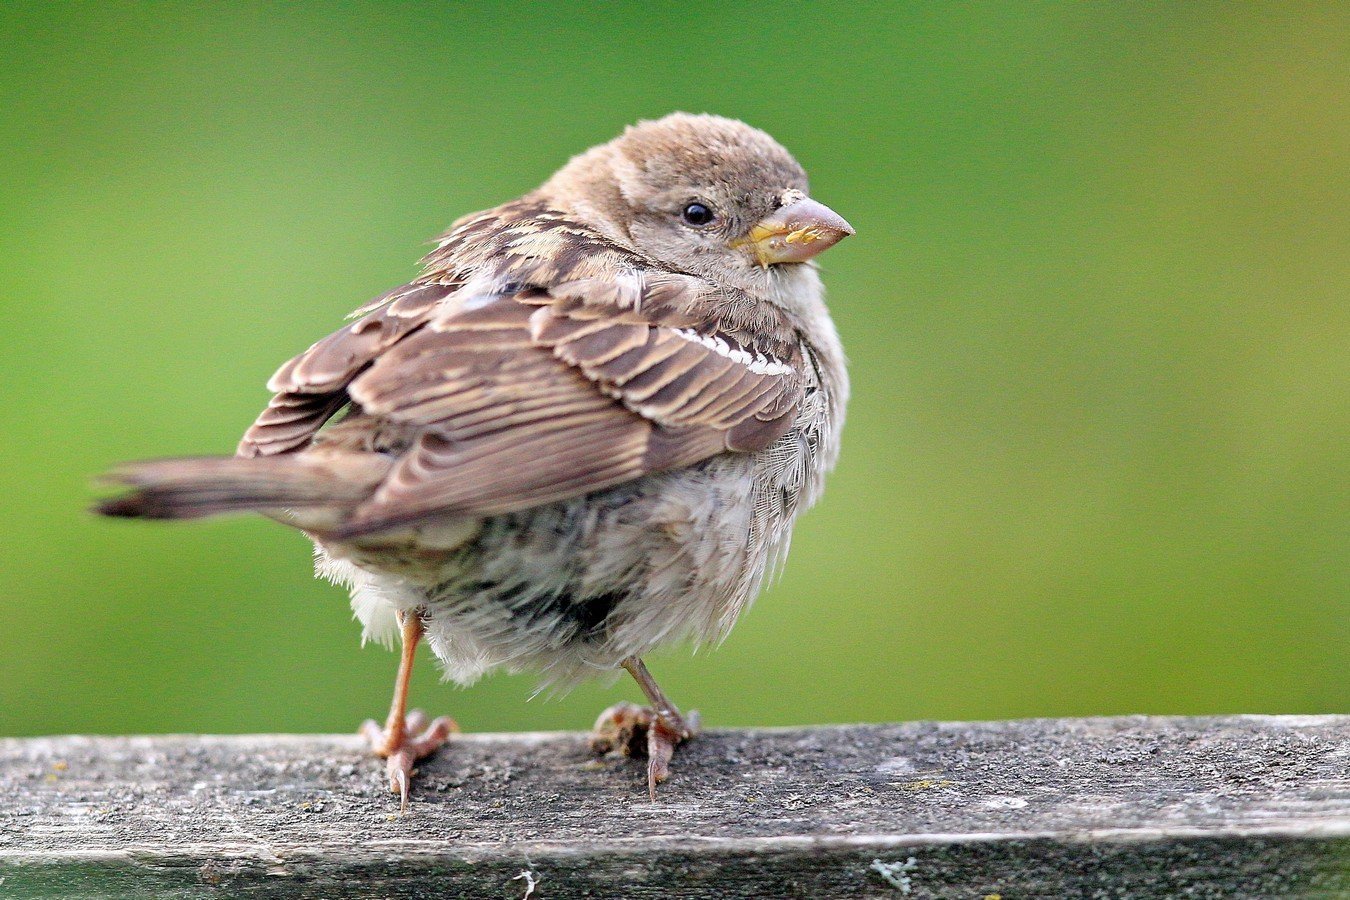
<point x="624" y="726"/>
<point x="406" y="736"/>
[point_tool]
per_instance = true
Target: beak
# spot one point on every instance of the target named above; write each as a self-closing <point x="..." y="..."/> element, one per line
<point x="798" y="231"/>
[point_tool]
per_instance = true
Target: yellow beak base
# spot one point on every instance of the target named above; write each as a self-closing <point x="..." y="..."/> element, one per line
<point x="795" y="233"/>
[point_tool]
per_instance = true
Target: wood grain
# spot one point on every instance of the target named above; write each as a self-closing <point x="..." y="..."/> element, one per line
<point x="1247" y="806"/>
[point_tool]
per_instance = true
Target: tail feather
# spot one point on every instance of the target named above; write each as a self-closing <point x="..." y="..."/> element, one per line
<point x="193" y="487"/>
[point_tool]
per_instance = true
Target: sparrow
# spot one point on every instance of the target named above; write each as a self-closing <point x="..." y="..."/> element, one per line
<point x="584" y="431"/>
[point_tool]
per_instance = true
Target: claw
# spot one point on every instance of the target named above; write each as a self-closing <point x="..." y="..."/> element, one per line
<point x="660" y="751"/>
<point x="402" y="778"/>
<point x="402" y="748"/>
<point x="637" y="730"/>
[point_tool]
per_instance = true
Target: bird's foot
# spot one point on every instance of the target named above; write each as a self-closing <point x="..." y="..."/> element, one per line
<point x="404" y="747"/>
<point x="636" y="730"/>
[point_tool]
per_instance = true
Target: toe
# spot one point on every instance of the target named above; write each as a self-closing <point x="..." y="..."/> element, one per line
<point x="637" y="730"/>
<point x="399" y="768"/>
<point x="403" y="745"/>
<point x="431" y="739"/>
<point x="661" y="743"/>
<point x="373" y="733"/>
<point x="620" y="727"/>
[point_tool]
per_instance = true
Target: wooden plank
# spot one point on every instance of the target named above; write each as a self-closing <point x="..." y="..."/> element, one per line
<point x="1246" y="806"/>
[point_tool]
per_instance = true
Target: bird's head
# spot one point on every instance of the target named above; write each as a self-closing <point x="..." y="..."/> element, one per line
<point x="701" y="194"/>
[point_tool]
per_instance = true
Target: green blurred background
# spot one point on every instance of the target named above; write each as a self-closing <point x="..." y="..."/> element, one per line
<point x="1097" y="311"/>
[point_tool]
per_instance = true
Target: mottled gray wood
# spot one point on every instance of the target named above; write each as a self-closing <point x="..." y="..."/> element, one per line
<point x="1246" y="806"/>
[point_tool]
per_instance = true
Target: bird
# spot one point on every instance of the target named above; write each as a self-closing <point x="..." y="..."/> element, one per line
<point x="583" y="431"/>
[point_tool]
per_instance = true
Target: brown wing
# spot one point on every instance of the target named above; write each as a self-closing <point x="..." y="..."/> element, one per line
<point x="522" y="243"/>
<point x="524" y="401"/>
<point x="313" y="386"/>
<point x="584" y="371"/>
<point x="680" y="376"/>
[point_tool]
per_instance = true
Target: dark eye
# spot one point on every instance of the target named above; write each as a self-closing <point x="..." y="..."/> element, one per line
<point x="697" y="214"/>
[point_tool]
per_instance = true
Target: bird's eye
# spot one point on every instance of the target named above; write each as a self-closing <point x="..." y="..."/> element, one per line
<point x="697" y="214"/>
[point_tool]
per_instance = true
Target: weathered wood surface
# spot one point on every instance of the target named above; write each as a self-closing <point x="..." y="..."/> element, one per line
<point x="1131" y="807"/>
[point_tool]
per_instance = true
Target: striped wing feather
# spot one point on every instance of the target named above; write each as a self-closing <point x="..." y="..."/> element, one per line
<point x="521" y="399"/>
